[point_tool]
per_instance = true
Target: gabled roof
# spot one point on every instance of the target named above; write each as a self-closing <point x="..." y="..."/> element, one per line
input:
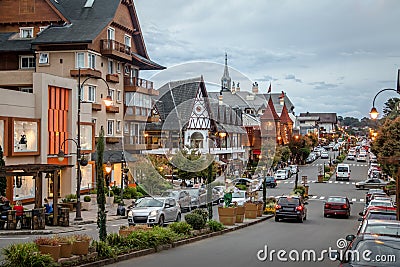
<point x="285" y="118"/>
<point x="8" y="44"/>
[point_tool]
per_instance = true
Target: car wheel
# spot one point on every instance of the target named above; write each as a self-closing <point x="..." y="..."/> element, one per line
<point x="178" y="217"/>
<point x="305" y="216"/>
<point x="276" y="219"/>
<point x="325" y="215"/>
<point x="361" y="187"/>
<point x="348" y="215"/>
<point x="161" y="220"/>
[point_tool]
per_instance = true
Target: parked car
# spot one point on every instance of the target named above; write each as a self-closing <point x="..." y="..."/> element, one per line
<point x="370" y="192"/>
<point x="294" y="169"/>
<point x="292" y="207"/>
<point x="380" y="227"/>
<point x="152" y="211"/>
<point x="281" y="174"/>
<point x="372" y="244"/>
<point x="270" y="181"/>
<point x="182" y="197"/>
<point x="337" y="205"/>
<point x="371" y="183"/>
<point x="362" y="157"/>
<point x="379" y="213"/>
<point x="240" y="197"/>
<point x="220" y="191"/>
<point x="198" y="197"/>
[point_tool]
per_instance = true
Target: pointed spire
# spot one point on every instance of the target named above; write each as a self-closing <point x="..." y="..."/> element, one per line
<point x="226" y="81"/>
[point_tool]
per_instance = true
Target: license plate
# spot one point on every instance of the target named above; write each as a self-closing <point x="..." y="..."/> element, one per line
<point x="288" y="209"/>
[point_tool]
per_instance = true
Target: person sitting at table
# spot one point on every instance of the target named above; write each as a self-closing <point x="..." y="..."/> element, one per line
<point x="19" y="209"/>
<point x="4" y="209"/>
<point x="48" y="206"/>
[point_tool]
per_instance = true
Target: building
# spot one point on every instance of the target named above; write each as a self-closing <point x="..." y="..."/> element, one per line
<point x="323" y="124"/>
<point x="49" y="50"/>
<point x="185" y="117"/>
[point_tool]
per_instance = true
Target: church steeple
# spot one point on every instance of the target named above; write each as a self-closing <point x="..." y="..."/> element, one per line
<point x="226" y="81"/>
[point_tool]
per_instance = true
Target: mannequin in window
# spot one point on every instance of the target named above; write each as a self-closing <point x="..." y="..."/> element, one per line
<point x="23" y="142"/>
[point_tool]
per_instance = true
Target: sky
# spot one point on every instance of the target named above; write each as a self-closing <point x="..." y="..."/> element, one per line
<point x="327" y="56"/>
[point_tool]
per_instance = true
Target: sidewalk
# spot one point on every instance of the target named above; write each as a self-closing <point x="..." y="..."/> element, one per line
<point x="88" y="217"/>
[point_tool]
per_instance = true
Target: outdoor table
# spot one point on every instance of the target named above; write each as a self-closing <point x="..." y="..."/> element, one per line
<point x="26" y="222"/>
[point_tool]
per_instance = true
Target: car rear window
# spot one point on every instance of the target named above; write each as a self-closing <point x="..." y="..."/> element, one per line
<point x="376" y="248"/>
<point x="337" y="200"/>
<point x="382" y="216"/>
<point x="288" y="201"/>
<point x="343" y="169"/>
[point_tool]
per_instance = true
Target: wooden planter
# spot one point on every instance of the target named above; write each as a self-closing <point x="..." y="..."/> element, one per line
<point x="227" y="216"/>
<point x="240" y="211"/>
<point x="53" y="251"/>
<point x="66" y="250"/>
<point x="251" y="210"/>
<point x="80" y="248"/>
<point x="85" y="205"/>
<point x="109" y="200"/>
<point x="260" y="209"/>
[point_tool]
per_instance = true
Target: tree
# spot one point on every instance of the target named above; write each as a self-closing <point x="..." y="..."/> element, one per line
<point x="3" y="178"/>
<point x="391" y="108"/>
<point x="387" y="144"/>
<point x="101" y="194"/>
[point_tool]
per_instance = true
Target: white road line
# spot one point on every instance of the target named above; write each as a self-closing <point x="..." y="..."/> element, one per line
<point x="347" y="182"/>
<point x="291" y="182"/>
<point x="330" y="182"/>
<point x="361" y="200"/>
<point x="322" y="198"/>
<point x="14" y="238"/>
<point x="314" y="197"/>
<point x="354" y="199"/>
<point x="341" y="182"/>
<point x="353" y="183"/>
<point x="286" y="182"/>
<point x="336" y="182"/>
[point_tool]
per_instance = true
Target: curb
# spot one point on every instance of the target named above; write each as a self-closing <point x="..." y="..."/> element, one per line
<point x="41" y="232"/>
<point x="144" y="252"/>
<point x="113" y="218"/>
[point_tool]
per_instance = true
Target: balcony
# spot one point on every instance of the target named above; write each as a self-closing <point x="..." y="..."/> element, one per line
<point x="135" y="146"/>
<point x="133" y="84"/>
<point x="136" y="118"/>
<point x="113" y="78"/>
<point x="115" y="50"/>
<point x="112" y="109"/>
<point x="86" y="73"/>
<point x="96" y="107"/>
<point x="112" y="140"/>
<point x="16" y="78"/>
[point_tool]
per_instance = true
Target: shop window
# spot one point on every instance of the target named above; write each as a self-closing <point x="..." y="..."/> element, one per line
<point x="87" y="136"/>
<point x="24" y="187"/>
<point x="26" y="136"/>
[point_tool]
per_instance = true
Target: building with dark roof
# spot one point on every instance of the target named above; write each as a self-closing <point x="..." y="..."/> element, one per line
<point x="317" y="123"/>
<point x="47" y="49"/>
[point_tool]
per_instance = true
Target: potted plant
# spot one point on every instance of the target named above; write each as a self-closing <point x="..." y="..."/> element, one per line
<point x="250" y="210"/>
<point x="110" y="198"/>
<point x="240" y="212"/>
<point x="227" y="213"/>
<point x="81" y="244"/>
<point x="49" y="246"/>
<point x="93" y="195"/>
<point x="66" y="243"/>
<point x="85" y="205"/>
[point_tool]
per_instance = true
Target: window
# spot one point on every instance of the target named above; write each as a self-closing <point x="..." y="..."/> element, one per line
<point x="82" y="92"/>
<point x="26" y="89"/>
<point x="26" y="32"/>
<point x="110" y="127"/>
<point x="89" y="3"/>
<point x="127" y="40"/>
<point x="80" y="60"/>
<point x="110" y="34"/>
<point x="126" y="127"/>
<point x="111" y="93"/>
<point x="41" y="28"/>
<point x="119" y="93"/>
<point x="118" y="67"/>
<point x="92" y="60"/>
<point x="110" y="67"/>
<point x="127" y="70"/>
<point x="91" y="93"/>
<point x="118" y="126"/>
<point x="43" y="58"/>
<point x="27" y="62"/>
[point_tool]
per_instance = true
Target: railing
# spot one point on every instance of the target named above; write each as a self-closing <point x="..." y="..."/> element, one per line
<point x="133" y="81"/>
<point x="112" y="45"/>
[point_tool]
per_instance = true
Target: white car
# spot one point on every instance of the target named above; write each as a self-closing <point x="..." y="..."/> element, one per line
<point x="324" y="155"/>
<point x="362" y="157"/>
<point x="351" y="156"/>
<point x="239" y="197"/>
<point x="281" y="175"/>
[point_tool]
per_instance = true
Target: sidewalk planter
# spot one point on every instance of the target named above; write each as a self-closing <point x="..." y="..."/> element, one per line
<point x="80" y="247"/>
<point x="66" y="250"/>
<point x="251" y="210"/>
<point x="109" y="200"/>
<point x="227" y="216"/>
<point x="85" y="205"/>
<point x="53" y="251"/>
<point x="320" y="178"/>
<point x="240" y="211"/>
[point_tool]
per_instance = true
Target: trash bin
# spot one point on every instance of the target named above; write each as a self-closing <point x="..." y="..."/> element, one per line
<point x="121" y="210"/>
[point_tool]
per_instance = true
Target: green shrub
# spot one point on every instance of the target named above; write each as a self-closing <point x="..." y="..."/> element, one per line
<point x="215" y="226"/>
<point x="25" y="254"/>
<point x="181" y="228"/>
<point x="116" y="190"/>
<point x="300" y="190"/>
<point x="202" y="212"/>
<point x="139" y="195"/>
<point x="327" y="168"/>
<point x="129" y="193"/>
<point x="87" y="199"/>
<point x="93" y="191"/>
<point x="69" y="197"/>
<point x="195" y="220"/>
<point x="151" y="238"/>
<point x="139" y="189"/>
<point x="104" y="250"/>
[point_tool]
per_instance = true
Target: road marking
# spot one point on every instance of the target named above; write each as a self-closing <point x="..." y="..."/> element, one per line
<point x="341" y="182"/>
<point x="347" y="182"/>
<point x="14" y="238"/>
<point x="291" y="182"/>
<point x="314" y="197"/>
<point x="336" y="182"/>
<point x="361" y="200"/>
<point x="286" y="182"/>
<point x="322" y="198"/>
<point x="330" y="182"/>
<point x="353" y="183"/>
<point x="354" y="199"/>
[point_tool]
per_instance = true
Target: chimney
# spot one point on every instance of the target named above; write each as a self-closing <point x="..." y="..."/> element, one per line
<point x="238" y="87"/>
<point x="220" y="98"/>
<point x="255" y="88"/>
<point x="233" y="88"/>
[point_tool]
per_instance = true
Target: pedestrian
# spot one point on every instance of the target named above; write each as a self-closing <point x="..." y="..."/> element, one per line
<point x="48" y="206"/>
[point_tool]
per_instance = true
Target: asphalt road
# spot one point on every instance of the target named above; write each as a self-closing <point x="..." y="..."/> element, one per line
<point x="240" y="248"/>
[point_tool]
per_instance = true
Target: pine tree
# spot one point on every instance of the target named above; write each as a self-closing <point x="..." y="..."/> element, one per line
<point x="101" y="197"/>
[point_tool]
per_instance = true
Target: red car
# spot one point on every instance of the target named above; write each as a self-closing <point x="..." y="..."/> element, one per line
<point x="337" y="205"/>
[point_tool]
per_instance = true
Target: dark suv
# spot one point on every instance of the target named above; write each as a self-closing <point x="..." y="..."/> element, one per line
<point x="292" y="207"/>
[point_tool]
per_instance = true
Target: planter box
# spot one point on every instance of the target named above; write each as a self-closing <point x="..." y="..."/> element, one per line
<point x="109" y="200"/>
<point x="320" y="178"/>
<point x="112" y="78"/>
<point x="53" y="251"/>
<point x="260" y="209"/>
<point x="227" y="216"/>
<point x="66" y="250"/>
<point x="251" y="210"/>
<point x="85" y="205"/>
<point x="93" y="198"/>
<point x="80" y="248"/>
<point x="240" y="211"/>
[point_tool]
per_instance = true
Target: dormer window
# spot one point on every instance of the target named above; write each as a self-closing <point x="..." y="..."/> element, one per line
<point x="26" y="32"/>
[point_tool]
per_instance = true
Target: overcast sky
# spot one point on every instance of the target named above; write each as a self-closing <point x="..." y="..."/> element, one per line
<point x="328" y="56"/>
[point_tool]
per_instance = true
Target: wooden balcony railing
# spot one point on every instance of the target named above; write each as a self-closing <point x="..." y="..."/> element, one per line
<point x="139" y="82"/>
<point x="114" y="49"/>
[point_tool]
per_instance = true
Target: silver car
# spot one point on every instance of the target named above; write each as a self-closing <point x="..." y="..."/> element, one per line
<point x="155" y="211"/>
<point x="181" y="196"/>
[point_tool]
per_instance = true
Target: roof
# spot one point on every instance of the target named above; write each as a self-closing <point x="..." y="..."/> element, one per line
<point x="308" y="118"/>
<point x="285" y="119"/>
<point x="8" y="43"/>
<point x="323" y="117"/>
<point x="270" y="112"/>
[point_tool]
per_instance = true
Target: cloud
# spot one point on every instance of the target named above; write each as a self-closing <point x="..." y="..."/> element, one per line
<point x="266" y="78"/>
<point x="323" y="85"/>
<point x="292" y="77"/>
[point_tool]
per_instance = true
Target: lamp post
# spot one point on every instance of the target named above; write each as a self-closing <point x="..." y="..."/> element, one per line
<point x="61" y="155"/>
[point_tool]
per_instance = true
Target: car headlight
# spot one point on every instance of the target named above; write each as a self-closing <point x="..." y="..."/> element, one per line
<point x="130" y="213"/>
<point x="153" y="213"/>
